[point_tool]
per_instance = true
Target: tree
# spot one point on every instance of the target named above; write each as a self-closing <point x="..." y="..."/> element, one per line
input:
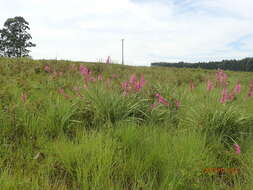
<point x="14" y="38"/>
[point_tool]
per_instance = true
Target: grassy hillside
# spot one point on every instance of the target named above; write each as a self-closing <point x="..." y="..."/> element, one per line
<point x="74" y="126"/>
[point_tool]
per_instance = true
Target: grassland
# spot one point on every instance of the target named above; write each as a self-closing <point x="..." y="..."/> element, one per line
<point x="113" y="127"/>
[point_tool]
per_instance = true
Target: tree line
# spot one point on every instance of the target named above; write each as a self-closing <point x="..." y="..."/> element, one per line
<point x="245" y="64"/>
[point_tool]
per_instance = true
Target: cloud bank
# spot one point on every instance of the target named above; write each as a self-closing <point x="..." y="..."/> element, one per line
<point x="162" y="30"/>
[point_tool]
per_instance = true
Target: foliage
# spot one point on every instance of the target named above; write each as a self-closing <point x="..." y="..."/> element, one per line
<point x="14" y="38"/>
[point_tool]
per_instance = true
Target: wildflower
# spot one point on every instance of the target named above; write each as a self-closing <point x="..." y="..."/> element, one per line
<point x="237" y="148"/>
<point x="162" y="99"/>
<point x="138" y="87"/>
<point x="132" y="79"/>
<point x="221" y="77"/>
<point x="224" y="96"/>
<point x="24" y="98"/>
<point x="85" y="72"/>
<point x="47" y="68"/>
<point x="142" y="81"/>
<point x="126" y="87"/>
<point x="232" y="95"/>
<point x="100" y="77"/>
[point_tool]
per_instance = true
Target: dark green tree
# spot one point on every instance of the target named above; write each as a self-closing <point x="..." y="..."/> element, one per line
<point x="14" y="38"/>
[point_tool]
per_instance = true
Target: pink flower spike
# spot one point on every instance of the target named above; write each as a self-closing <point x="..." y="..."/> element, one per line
<point x="85" y="71"/>
<point x="138" y="86"/>
<point x="162" y="99"/>
<point x="47" y="68"/>
<point x="142" y="81"/>
<point x="100" y="77"/>
<point x="237" y="148"/>
<point x="232" y="95"/>
<point x="224" y="97"/>
<point x="132" y="79"/>
<point x="24" y="98"/>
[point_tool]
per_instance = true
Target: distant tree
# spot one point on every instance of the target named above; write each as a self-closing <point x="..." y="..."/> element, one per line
<point x="14" y="38"/>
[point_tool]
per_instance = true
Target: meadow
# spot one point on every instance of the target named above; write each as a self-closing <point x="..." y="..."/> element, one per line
<point x="90" y="126"/>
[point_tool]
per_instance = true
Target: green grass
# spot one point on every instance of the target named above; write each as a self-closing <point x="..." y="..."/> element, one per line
<point x="97" y="137"/>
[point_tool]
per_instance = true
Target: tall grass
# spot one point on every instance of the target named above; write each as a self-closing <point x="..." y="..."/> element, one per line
<point x="65" y="130"/>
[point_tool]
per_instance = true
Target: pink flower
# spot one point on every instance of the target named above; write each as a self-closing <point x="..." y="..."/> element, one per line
<point x="137" y="86"/>
<point x="132" y="79"/>
<point x="84" y="71"/>
<point x="209" y="85"/>
<point x="142" y="81"/>
<point x="24" y="98"/>
<point x="221" y="77"/>
<point x="162" y="99"/>
<point x="126" y="87"/>
<point x="224" y="97"/>
<point x="232" y="95"/>
<point x="237" y="148"/>
<point x="100" y="77"/>
<point x="47" y="68"/>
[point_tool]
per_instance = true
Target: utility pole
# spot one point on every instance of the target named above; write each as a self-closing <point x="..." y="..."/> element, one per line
<point x="122" y="51"/>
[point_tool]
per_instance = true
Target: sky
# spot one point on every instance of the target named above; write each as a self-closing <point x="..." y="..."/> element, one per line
<point x="154" y="30"/>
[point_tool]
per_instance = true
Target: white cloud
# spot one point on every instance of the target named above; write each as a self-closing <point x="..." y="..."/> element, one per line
<point x="160" y="31"/>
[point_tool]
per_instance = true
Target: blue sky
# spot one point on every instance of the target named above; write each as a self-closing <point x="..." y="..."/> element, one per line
<point x="161" y="30"/>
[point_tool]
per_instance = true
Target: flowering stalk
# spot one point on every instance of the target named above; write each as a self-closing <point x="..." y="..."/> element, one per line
<point x="224" y="96"/>
<point x="237" y="148"/>
<point x="24" y="98"/>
